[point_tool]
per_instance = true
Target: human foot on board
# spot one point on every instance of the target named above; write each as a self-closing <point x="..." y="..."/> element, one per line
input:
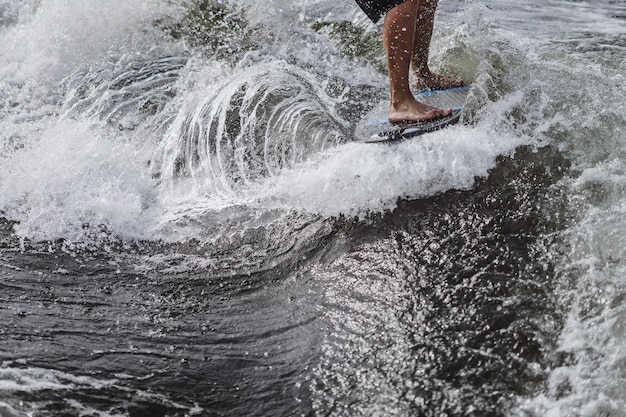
<point x="427" y="80"/>
<point x="411" y="111"/>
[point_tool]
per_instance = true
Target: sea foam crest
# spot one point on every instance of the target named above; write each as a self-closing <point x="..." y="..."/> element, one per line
<point x="355" y="179"/>
<point x="72" y="180"/>
<point x="59" y="35"/>
<point x="262" y="120"/>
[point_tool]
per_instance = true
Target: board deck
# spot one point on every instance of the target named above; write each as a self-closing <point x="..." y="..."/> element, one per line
<point x="375" y="127"/>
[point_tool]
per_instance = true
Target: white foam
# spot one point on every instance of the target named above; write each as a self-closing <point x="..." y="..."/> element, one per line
<point x="356" y="179"/>
<point x="75" y="175"/>
<point x="12" y="380"/>
<point x="593" y="337"/>
<point x="592" y="384"/>
<point x="33" y="380"/>
<point x="61" y="35"/>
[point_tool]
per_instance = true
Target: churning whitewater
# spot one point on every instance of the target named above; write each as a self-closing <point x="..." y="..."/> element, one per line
<point x="188" y="226"/>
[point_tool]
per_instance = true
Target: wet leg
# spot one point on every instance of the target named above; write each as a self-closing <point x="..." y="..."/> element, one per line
<point x="424" y="78"/>
<point x="399" y="39"/>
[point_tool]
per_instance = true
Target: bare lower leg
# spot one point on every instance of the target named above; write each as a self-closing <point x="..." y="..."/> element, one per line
<point x="425" y="78"/>
<point x="399" y="38"/>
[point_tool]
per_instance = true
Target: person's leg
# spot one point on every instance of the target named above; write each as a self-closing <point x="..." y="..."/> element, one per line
<point x="398" y="38"/>
<point x="425" y="78"/>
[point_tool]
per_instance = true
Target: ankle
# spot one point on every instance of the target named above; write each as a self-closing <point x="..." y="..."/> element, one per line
<point x="423" y="72"/>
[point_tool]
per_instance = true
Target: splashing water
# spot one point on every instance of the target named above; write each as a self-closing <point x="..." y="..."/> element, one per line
<point x="188" y="228"/>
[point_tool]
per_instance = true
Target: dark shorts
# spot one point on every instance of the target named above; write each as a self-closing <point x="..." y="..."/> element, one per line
<point x="375" y="9"/>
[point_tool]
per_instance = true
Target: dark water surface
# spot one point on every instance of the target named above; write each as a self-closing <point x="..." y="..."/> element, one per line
<point x="447" y="304"/>
<point x="187" y="228"/>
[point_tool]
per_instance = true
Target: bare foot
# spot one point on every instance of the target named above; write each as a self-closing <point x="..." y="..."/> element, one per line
<point x="412" y="110"/>
<point x="428" y="80"/>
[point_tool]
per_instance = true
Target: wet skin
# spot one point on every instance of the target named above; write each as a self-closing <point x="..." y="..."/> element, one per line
<point x="407" y="32"/>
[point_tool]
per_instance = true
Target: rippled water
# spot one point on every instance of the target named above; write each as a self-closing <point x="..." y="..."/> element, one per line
<point x="187" y="226"/>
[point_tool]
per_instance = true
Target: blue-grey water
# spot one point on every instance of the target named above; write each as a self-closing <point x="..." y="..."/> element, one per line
<point x="187" y="227"/>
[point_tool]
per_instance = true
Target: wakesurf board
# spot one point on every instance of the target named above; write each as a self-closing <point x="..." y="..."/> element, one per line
<point x="375" y="128"/>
